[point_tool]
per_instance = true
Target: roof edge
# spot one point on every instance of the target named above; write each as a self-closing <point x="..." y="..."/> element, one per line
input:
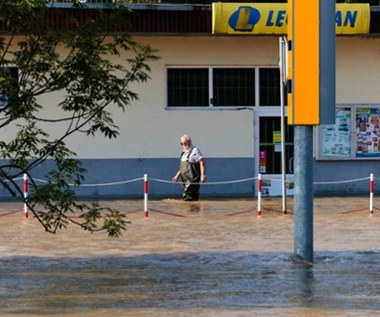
<point x="134" y="6"/>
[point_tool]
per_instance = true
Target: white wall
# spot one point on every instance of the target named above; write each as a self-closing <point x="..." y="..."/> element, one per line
<point x="148" y="130"/>
<point x="358" y="70"/>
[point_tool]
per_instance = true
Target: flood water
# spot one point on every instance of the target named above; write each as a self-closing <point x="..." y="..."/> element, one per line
<point x="207" y="258"/>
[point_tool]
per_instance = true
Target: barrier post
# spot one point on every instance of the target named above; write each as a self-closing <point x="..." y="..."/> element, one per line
<point x="371" y="190"/>
<point x="25" y="196"/>
<point x="259" y="188"/>
<point x="146" y="213"/>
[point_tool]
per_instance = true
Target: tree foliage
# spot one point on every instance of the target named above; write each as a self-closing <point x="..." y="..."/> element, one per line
<point x="73" y="63"/>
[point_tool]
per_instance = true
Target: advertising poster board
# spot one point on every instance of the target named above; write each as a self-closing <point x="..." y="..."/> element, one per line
<point x="367" y="134"/>
<point x="336" y="138"/>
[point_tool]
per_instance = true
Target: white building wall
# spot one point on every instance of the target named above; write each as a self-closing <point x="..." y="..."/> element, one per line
<point x="149" y="130"/>
<point x="358" y="69"/>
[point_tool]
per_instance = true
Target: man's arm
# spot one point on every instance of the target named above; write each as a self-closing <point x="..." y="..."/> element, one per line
<point x="202" y="165"/>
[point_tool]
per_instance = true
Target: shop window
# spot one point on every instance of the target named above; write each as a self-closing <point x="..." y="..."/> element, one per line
<point x="270" y="87"/>
<point x="233" y="87"/>
<point x="8" y="86"/>
<point x="188" y="87"/>
<point x="222" y="87"/>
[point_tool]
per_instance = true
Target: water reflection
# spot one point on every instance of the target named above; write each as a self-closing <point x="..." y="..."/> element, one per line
<point x="304" y="281"/>
<point x="206" y="281"/>
<point x="195" y="207"/>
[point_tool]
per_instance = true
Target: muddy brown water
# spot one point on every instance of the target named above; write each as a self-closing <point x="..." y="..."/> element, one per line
<point x="208" y="258"/>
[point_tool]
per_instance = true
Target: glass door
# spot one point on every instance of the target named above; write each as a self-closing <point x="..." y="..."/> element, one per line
<point x="270" y="155"/>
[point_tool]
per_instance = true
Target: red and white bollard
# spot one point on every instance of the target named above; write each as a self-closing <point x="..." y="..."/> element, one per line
<point x="371" y="191"/>
<point x="26" y="189"/>
<point x="146" y="213"/>
<point x="259" y="188"/>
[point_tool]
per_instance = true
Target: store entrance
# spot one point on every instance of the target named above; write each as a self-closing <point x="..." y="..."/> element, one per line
<point x="270" y="158"/>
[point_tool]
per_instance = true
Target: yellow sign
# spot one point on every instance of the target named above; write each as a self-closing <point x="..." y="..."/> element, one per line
<point x="249" y="18"/>
<point x="304" y="62"/>
<point x="272" y="18"/>
<point x="352" y="18"/>
<point x="311" y="62"/>
<point x="277" y="137"/>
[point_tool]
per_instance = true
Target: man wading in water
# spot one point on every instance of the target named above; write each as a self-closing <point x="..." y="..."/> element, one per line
<point x="192" y="169"/>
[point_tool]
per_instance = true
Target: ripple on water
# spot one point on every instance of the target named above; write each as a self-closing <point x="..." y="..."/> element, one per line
<point x="206" y="265"/>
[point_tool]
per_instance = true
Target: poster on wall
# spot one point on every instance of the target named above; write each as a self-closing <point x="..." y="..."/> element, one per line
<point x="367" y="134"/>
<point x="336" y="138"/>
<point x="263" y="162"/>
<point x="277" y="138"/>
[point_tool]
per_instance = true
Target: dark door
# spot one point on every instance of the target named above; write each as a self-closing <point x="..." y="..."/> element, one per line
<point x="270" y="146"/>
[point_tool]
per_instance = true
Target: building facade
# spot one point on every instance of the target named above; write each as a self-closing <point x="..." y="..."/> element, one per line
<point x="224" y="91"/>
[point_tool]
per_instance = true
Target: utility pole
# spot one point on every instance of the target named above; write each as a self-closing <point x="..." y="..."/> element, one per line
<point x="311" y="101"/>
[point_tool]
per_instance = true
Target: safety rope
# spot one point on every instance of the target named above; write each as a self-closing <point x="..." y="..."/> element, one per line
<point x="166" y="213"/>
<point x="352" y="211"/>
<point x="206" y="183"/>
<point x="342" y="181"/>
<point x="236" y="213"/>
<point x="9" y="213"/>
<point x="96" y="184"/>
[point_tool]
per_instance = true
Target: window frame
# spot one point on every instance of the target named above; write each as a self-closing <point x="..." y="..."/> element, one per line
<point x="211" y="106"/>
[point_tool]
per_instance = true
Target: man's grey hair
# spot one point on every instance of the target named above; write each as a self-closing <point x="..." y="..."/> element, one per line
<point x="186" y="137"/>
